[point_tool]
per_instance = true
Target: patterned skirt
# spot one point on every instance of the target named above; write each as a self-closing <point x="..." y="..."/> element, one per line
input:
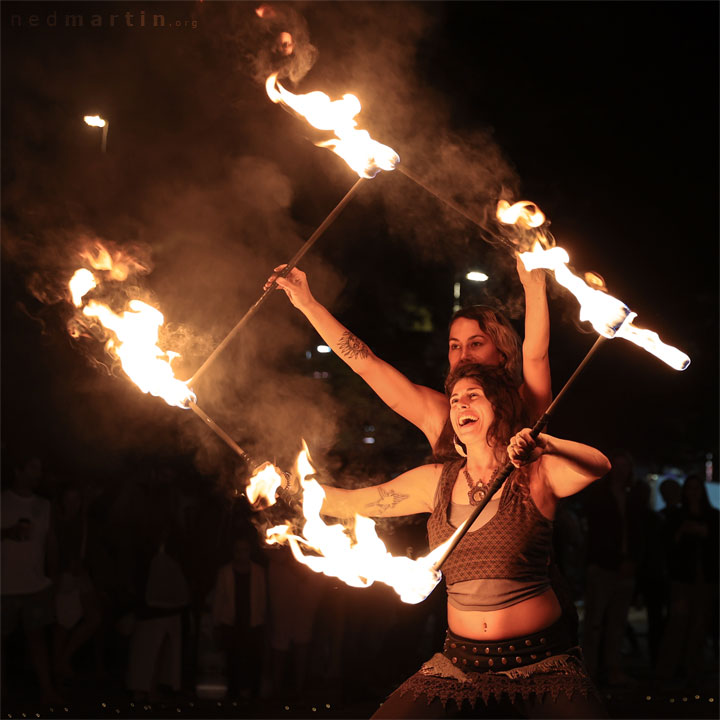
<point x="538" y="664"/>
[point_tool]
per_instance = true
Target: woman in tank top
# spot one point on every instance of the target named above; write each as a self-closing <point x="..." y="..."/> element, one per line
<point x="507" y="651"/>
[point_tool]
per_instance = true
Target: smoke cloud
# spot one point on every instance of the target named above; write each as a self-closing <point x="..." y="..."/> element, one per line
<point x="208" y="186"/>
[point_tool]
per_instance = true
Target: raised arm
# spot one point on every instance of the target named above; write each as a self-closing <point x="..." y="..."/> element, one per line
<point x="566" y="466"/>
<point x="411" y="493"/>
<point x="536" y="390"/>
<point x="425" y="408"/>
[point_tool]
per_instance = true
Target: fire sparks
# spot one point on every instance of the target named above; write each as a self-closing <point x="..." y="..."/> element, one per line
<point x="609" y="316"/>
<point x="363" y="154"/>
<point x="330" y="549"/>
<point x="133" y="333"/>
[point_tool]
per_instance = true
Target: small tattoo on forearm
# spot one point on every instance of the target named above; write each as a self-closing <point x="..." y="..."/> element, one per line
<point x="388" y="500"/>
<point x="353" y="347"/>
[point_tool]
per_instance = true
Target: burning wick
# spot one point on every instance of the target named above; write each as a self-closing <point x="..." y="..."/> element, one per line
<point x="365" y="156"/>
<point x="609" y="316"/>
<point x="134" y="341"/>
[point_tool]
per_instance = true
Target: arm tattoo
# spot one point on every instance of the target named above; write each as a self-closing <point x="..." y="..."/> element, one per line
<point x="388" y="500"/>
<point x="353" y="347"/>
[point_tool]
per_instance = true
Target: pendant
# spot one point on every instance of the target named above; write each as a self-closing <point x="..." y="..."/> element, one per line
<point x="477" y="494"/>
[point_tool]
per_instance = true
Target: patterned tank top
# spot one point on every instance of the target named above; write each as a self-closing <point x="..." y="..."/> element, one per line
<point x="515" y="543"/>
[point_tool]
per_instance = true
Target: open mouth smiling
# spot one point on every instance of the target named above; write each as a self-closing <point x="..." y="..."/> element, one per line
<point x="466" y="420"/>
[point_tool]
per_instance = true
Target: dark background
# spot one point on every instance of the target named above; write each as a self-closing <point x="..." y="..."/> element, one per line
<point x="604" y="114"/>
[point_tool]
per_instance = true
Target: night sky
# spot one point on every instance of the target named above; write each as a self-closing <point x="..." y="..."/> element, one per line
<point x="604" y="114"/>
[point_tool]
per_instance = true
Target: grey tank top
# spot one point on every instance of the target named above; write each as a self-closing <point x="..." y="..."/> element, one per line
<point x="489" y="594"/>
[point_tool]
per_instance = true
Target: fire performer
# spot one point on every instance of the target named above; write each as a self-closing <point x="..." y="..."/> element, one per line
<point x="507" y="644"/>
<point x="478" y="334"/>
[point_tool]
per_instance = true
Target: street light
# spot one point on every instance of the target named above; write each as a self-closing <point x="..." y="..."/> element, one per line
<point x="476" y="276"/>
<point x="473" y="276"/>
<point x="97" y="121"/>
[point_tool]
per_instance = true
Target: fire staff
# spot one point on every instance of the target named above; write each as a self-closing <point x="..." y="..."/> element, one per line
<point x="508" y="650"/>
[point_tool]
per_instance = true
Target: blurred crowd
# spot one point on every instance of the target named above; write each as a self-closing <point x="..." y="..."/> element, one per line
<point x="159" y="587"/>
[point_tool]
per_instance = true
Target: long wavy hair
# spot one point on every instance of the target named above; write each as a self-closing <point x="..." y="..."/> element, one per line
<point x="509" y="409"/>
<point x="498" y="328"/>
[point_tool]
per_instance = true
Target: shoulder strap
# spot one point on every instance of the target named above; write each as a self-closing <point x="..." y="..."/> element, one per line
<point x="447" y="478"/>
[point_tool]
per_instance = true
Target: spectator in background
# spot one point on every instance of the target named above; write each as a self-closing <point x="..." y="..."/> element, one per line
<point x="29" y="566"/>
<point x="610" y="573"/>
<point x="647" y="533"/>
<point x="155" y="656"/>
<point x="693" y="564"/>
<point x="77" y="604"/>
<point x="671" y="493"/>
<point x="294" y="598"/>
<point x="239" y="610"/>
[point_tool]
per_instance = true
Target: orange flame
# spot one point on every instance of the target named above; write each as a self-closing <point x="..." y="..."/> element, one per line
<point x="118" y="265"/>
<point x="609" y="316"/>
<point x="357" y="563"/>
<point x="523" y="212"/>
<point x="363" y="154"/>
<point x="81" y="283"/>
<point x="134" y="334"/>
<point x="265" y="482"/>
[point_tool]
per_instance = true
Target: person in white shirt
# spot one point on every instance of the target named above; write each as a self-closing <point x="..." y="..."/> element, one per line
<point x="29" y="561"/>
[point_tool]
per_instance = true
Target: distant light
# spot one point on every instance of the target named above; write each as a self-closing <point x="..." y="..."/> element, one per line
<point x="476" y="276"/>
<point x="369" y="440"/>
<point x="456" y="290"/>
<point x="323" y="349"/>
<point x="308" y="355"/>
<point x="94" y="120"/>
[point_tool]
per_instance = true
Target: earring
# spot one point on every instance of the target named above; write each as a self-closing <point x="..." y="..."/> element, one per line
<point x="459" y="447"/>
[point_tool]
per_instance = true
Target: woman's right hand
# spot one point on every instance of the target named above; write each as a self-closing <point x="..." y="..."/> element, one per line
<point x="524" y="449"/>
<point x="295" y="286"/>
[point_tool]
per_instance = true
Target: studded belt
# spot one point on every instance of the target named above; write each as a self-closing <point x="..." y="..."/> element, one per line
<point x="478" y="656"/>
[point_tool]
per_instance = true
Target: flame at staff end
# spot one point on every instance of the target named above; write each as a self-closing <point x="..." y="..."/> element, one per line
<point x="523" y="211"/>
<point x="266" y="480"/>
<point x="135" y="343"/>
<point x="134" y="333"/>
<point x="365" y="156"/>
<point x="609" y="316"/>
<point x="331" y="549"/>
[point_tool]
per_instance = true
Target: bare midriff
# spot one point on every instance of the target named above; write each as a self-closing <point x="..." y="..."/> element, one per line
<point x="526" y="617"/>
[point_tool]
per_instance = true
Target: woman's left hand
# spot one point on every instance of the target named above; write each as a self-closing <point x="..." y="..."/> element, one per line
<point x="529" y="278"/>
<point x="523" y="449"/>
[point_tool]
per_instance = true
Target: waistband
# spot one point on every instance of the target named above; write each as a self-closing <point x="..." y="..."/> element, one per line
<point x="477" y="656"/>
